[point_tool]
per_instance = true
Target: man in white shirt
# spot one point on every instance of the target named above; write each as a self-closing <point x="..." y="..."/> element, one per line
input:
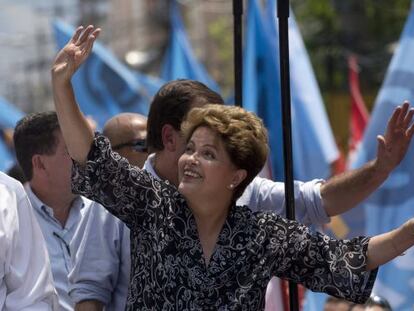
<point x="42" y="154"/>
<point x="315" y="201"/>
<point x="26" y="281"/>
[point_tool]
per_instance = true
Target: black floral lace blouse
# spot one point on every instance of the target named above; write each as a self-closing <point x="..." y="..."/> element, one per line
<point x="168" y="271"/>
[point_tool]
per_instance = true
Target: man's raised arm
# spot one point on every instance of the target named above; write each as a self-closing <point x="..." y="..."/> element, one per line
<point x="343" y="192"/>
<point x="75" y="129"/>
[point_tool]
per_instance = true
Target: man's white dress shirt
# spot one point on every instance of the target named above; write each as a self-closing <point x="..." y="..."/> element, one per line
<point x="26" y="281"/>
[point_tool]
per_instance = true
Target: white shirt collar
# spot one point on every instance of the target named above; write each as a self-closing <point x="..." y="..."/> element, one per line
<point x="149" y="166"/>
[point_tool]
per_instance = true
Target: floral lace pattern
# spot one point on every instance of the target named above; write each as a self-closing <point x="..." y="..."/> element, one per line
<point x="168" y="271"/>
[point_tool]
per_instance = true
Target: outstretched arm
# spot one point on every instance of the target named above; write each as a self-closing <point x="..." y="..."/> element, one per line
<point x="74" y="126"/>
<point x="345" y="191"/>
<point x="385" y="247"/>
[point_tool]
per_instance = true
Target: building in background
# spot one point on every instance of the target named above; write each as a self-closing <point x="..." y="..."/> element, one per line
<point x="136" y="31"/>
<point x="27" y="48"/>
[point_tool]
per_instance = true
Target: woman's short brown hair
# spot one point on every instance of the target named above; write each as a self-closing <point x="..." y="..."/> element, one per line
<point x="243" y="134"/>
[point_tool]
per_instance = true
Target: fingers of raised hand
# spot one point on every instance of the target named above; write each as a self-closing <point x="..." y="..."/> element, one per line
<point x="408" y="118"/>
<point x="395" y="117"/>
<point x="90" y="40"/>
<point x="401" y="119"/>
<point x="410" y="132"/>
<point x="76" y="35"/>
<point x="381" y="141"/>
<point x="92" y="36"/>
<point x="95" y="33"/>
<point x="403" y="112"/>
<point x="82" y="41"/>
<point x="84" y="35"/>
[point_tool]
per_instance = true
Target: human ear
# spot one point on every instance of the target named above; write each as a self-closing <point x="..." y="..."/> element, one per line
<point x="38" y="165"/>
<point x="169" y="137"/>
<point x="238" y="177"/>
<point x="37" y="162"/>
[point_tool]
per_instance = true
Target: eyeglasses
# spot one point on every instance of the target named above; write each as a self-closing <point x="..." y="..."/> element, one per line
<point x="139" y="145"/>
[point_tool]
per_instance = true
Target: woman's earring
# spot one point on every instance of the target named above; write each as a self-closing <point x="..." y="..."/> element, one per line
<point x="231" y="186"/>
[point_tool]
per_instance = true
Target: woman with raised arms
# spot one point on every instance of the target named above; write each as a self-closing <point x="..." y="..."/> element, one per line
<point x="192" y="247"/>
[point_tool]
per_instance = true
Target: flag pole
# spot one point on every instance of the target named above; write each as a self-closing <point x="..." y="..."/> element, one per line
<point x="283" y="17"/>
<point x="238" y="57"/>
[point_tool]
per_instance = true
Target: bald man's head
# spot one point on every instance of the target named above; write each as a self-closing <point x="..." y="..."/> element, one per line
<point x="127" y="133"/>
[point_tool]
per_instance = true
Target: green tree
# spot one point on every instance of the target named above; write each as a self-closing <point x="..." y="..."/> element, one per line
<point x="334" y="28"/>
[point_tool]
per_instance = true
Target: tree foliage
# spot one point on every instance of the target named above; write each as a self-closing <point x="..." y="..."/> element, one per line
<point x="334" y="28"/>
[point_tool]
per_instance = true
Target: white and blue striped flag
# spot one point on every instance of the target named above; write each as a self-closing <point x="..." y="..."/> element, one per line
<point x="393" y="203"/>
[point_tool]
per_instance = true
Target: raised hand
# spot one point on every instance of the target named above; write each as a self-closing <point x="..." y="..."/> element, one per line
<point x="74" y="53"/>
<point x="73" y="124"/>
<point x="394" y="145"/>
<point x="346" y="190"/>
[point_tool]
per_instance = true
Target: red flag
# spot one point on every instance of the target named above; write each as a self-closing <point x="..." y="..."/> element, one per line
<point x="339" y="165"/>
<point x="359" y="113"/>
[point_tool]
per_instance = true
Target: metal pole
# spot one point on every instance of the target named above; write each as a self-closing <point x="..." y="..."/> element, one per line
<point x="283" y="17"/>
<point x="238" y="54"/>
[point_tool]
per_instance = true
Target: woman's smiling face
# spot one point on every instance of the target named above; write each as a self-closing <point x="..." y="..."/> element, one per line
<point x="205" y="168"/>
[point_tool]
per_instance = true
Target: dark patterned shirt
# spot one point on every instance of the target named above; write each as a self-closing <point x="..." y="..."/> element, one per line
<point x="168" y="271"/>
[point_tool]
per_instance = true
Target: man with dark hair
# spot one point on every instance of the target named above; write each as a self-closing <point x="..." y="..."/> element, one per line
<point x="172" y="103"/>
<point x="41" y="139"/>
<point x="42" y="154"/>
<point x="168" y="109"/>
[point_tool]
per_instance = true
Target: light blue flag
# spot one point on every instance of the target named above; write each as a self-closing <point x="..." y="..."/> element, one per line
<point x="6" y="157"/>
<point x="261" y="83"/>
<point x="9" y="115"/>
<point x="314" y="148"/>
<point x="179" y="60"/>
<point x="104" y="86"/>
<point x="393" y="203"/>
